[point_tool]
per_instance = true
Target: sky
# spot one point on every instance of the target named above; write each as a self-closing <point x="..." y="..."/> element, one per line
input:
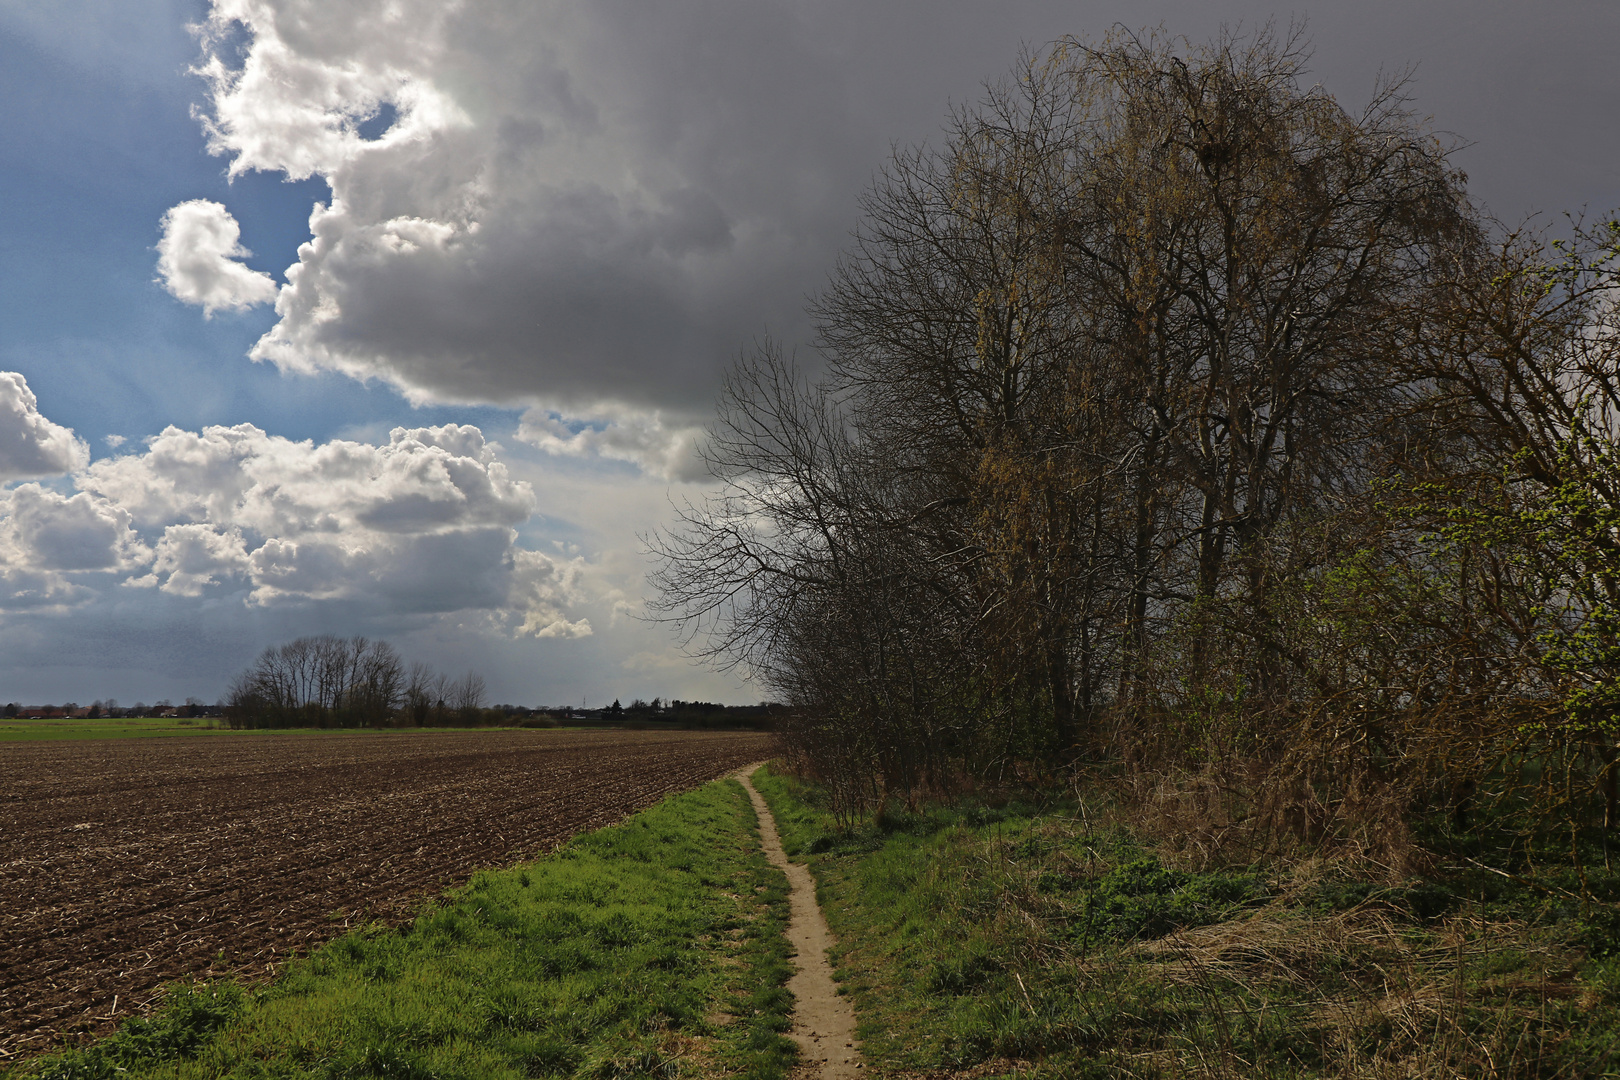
<point x="403" y="317"/>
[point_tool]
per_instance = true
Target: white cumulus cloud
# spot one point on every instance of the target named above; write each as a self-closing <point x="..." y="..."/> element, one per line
<point x="659" y="447"/>
<point x="49" y="542"/>
<point x="30" y="445"/>
<point x="192" y="557"/>
<point x="543" y="586"/>
<point x="23" y="588"/>
<point x="52" y="531"/>
<point x="424" y="524"/>
<point x="198" y="259"/>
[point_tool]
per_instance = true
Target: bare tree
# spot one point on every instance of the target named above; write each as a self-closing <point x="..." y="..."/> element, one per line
<point x="467" y="694"/>
<point x="1096" y="364"/>
<point x="421" y="693"/>
<point x="375" y="687"/>
<point x="324" y="681"/>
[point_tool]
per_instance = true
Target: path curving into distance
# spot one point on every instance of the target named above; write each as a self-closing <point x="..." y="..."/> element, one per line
<point x="823" y="1022"/>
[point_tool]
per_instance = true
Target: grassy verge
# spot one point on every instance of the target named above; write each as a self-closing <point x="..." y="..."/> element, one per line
<point x="653" y="948"/>
<point x="155" y="727"/>
<point x="125" y="727"/>
<point x="1039" y="942"/>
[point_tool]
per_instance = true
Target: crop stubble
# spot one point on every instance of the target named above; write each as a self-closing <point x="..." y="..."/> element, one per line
<point x="128" y="863"/>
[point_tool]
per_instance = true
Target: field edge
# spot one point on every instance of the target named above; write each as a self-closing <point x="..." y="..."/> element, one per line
<point x="655" y="945"/>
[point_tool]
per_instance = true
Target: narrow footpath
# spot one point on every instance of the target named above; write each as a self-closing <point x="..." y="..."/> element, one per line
<point x="823" y="1022"/>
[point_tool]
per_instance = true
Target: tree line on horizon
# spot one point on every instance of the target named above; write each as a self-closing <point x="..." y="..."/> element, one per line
<point x="427" y="698"/>
<point x="327" y="681"/>
<point x="109" y="708"/>
<point x="330" y="681"/>
<point x="1178" y="421"/>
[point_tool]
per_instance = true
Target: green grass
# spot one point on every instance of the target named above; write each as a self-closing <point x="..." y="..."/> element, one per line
<point x="654" y="948"/>
<point x="153" y="726"/>
<point x="1038" y="941"/>
<point x="127" y="727"/>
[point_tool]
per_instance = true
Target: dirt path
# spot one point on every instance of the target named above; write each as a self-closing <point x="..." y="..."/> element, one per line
<point x="823" y="1022"/>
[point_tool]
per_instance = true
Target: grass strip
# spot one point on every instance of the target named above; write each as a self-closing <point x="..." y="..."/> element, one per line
<point x="1032" y="940"/>
<point x="652" y="948"/>
<point x="123" y="728"/>
<point x="30" y="731"/>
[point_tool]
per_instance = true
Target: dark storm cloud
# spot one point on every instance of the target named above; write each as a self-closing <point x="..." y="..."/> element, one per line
<point x="597" y="205"/>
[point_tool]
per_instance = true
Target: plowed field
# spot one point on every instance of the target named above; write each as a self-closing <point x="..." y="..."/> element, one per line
<point x="128" y="863"/>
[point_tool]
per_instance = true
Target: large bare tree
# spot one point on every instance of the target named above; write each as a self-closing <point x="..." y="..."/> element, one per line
<point x="1091" y="362"/>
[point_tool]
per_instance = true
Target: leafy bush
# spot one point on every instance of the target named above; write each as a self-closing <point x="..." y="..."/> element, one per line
<point x="1145" y="899"/>
<point x="1423" y="900"/>
<point x="1600" y="932"/>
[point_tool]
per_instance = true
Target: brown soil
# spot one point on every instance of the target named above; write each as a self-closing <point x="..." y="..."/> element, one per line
<point x="129" y="863"/>
<point x="823" y="1022"/>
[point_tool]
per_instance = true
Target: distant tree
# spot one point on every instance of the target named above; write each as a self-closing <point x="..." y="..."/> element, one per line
<point x="466" y="695"/>
<point x="373" y="683"/>
<point x="420" y="693"/>
<point x="330" y="681"/>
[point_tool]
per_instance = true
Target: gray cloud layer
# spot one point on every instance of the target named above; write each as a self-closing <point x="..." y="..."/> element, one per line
<point x="573" y="204"/>
<point x="592" y="206"/>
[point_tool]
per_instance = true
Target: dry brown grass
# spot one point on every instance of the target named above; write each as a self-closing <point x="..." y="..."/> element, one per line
<point x="1237" y="813"/>
<point x="1379" y="1000"/>
<point x="1368" y="992"/>
<point x="981" y="944"/>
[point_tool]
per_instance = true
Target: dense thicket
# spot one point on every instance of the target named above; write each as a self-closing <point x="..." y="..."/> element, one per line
<point x="328" y="681"/>
<point x="1178" y="417"/>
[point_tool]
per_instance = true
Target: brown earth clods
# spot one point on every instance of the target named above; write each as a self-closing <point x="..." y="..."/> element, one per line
<point x="129" y="863"/>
